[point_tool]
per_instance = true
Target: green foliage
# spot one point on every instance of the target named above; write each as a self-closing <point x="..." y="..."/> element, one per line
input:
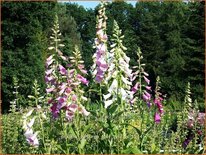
<point x="24" y="43"/>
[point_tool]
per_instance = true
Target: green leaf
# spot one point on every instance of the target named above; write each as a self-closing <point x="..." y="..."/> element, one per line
<point x="93" y="113"/>
<point x="132" y="151"/>
<point x="82" y="144"/>
<point x="153" y="147"/>
<point x="112" y="109"/>
<point x="146" y="132"/>
<point x="136" y="129"/>
<point x="72" y="132"/>
<point x="118" y="114"/>
<point x="86" y="128"/>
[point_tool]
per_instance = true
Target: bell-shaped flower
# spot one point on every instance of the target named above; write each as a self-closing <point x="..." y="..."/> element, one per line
<point x="201" y="118"/>
<point x="146" y="80"/>
<point x="73" y="107"/>
<point x="124" y="94"/>
<point x="62" y="70"/>
<point x="107" y="96"/>
<point x="32" y="140"/>
<point x="61" y="102"/>
<point x="107" y="103"/>
<point x="157" y="118"/>
<point x="63" y="86"/>
<point x="69" y="115"/>
<point x="135" y="88"/>
<point x="48" y="72"/>
<point x="125" y="81"/>
<point x="148" y="88"/>
<point x="49" y="62"/>
<point x="113" y="86"/>
<point x="55" y="110"/>
<point x="28" y="132"/>
<point x="145" y="97"/>
<point x="82" y="79"/>
<point x="83" y="111"/>
<point x="74" y="97"/>
<point x="49" y="90"/>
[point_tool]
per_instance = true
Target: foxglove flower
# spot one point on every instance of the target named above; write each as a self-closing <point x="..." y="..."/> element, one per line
<point x="31" y="138"/>
<point x="157" y="118"/>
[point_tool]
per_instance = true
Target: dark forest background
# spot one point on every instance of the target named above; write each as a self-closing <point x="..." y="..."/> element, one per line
<point x="170" y="35"/>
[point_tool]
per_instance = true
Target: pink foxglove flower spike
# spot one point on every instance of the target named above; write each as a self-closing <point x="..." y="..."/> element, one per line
<point x="100" y="57"/>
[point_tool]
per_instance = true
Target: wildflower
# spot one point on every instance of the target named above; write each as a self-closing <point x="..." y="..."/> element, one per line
<point x="135" y="88"/>
<point x="157" y="118"/>
<point x="69" y="115"/>
<point x="107" y="103"/>
<point x="32" y="138"/>
<point x="107" y="96"/>
<point x="62" y="70"/>
<point x="49" y="61"/>
<point x="49" y="90"/>
<point x="201" y="118"/>
<point x="113" y="86"/>
<point x="146" y="80"/>
<point x="145" y="97"/>
<point x="48" y="72"/>
<point x="82" y="79"/>
<point x="62" y="83"/>
<point x="55" y="110"/>
<point x="72" y="107"/>
<point x="84" y="111"/>
<point x="158" y="103"/>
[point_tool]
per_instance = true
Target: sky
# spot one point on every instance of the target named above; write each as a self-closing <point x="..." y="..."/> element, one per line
<point x="91" y="4"/>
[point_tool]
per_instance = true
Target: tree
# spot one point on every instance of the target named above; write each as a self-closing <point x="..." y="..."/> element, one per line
<point x="24" y="33"/>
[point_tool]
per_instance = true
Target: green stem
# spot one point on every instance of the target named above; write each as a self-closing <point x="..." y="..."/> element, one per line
<point x="100" y="92"/>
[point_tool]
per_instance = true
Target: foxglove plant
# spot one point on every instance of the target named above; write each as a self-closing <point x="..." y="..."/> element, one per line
<point x="75" y="78"/>
<point x="119" y="73"/>
<point x="61" y="83"/>
<point x="141" y="88"/>
<point x="158" y="102"/>
<point x="55" y="72"/>
<point x="194" y="120"/>
<point x="100" y="65"/>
